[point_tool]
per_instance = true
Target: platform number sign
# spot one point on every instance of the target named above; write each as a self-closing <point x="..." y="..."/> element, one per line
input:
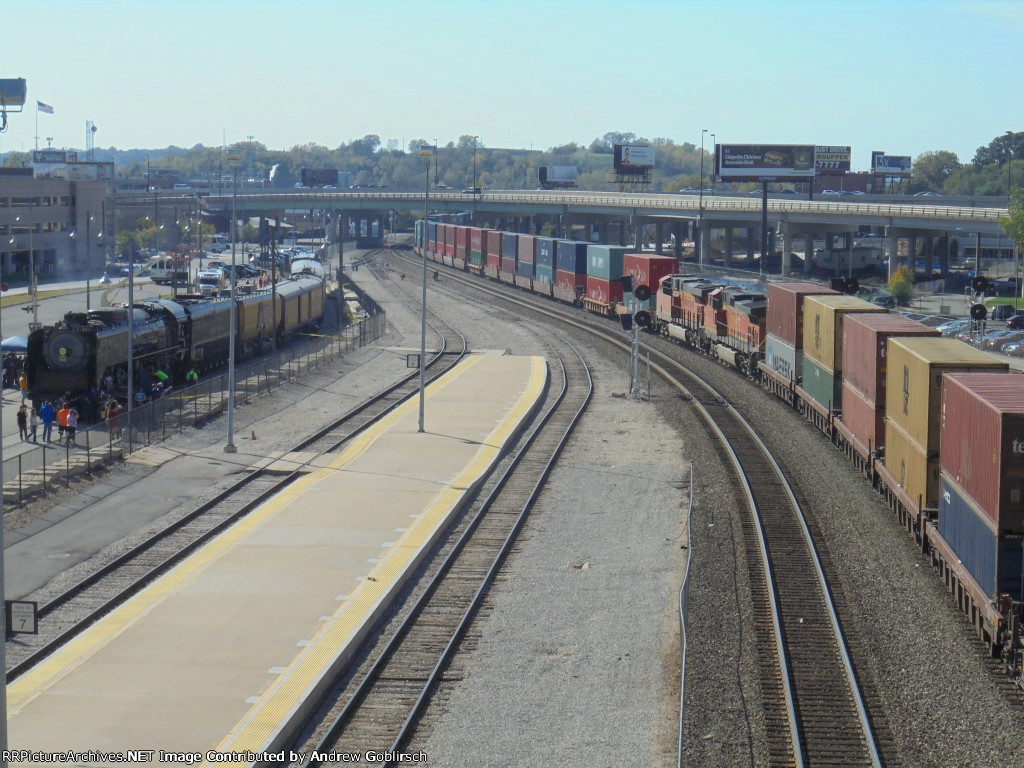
<point x="412" y="361"/>
<point x="21" y="617"/>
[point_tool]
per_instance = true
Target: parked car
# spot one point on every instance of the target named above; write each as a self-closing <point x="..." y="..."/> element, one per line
<point x="1016" y="322"/>
<point x="953" y="327"/>
<point x="1002" y="312"/>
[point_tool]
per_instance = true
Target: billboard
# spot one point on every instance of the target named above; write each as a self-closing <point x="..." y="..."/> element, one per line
<point x="51" y="156"/>
<point x="558" y="175"/>
<point x="764" y="162"/>
<point x="890" y="164"/>
<point x="319" y="177"/>
<point x="828" y="158"/>
<point x="628" y="158"/>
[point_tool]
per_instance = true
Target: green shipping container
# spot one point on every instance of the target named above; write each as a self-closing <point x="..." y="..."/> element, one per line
<point x="476" y="258"/>
<point x="821" y="384"/>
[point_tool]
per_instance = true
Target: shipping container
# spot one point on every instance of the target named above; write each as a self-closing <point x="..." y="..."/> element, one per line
<point x="570" y="281"/>
<point x="546" y="251"/>
<point x="915" y="470"/>
<point x="509" y="250"/>
<point x="462" y="238"/>
<point x="449" y="240"/>
<point x="494" y="248"/>
<point x="571" y="257"/>
<point x="605" y="261"/>
<point x="782" y="357"/>
<point x="477" y="239"/>
<point x="914" y="382"/>
<point x="865" y="338"/>
<point x="604" y="291"/>
<point x="786" y="310"/>
<point x="418" y="234"/>
<point x="543" y="273"/>
<point x="823" y="327"/>
<point x="981" y="442"/>
<point x="865" y="419"/>
<point x="525" y="253"/>
<point x="993" y="559"/>
<point x="524" y="269"/>
<point x="648" y="269"/>
<point x="821" y="384"/>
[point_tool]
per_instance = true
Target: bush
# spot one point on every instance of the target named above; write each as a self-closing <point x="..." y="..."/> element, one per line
<point x="901" y="285"/>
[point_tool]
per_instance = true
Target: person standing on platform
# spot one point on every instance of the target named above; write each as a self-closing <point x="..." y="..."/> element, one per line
<point x="62" y="421"/>
<point x="33" y="424"/>
<point x="72" y="425"/>
<point x="23" y="384"/>
<point x="47" y="415"/>
<point x="23" y="421"/>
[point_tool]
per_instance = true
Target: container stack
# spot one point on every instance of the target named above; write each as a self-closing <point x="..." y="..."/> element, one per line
<point x="865" y="354"/>
<point x="477" y="246"/>
<point x="981" y="509"/>
<point x="783" y="352"/>
<point x="604" y="268"/>
<point x="509" y="251"/>
<point x="822" y="369"/>
<point x="449" y="244"/>
<point x="493" y="256"/>
<point x="461" y="247"/>
<point x="544" y="270"/>
<point x="571" y="267"/>
<point x="912" y="406"/>
<point x="525" y="260"/>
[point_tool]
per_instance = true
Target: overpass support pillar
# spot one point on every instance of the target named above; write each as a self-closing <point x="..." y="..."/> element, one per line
<point x="638" y="237"/>
<point x="727" y="256"/>
<point x="705" y="246"/>
<point x="893" y="249"/>
<point x="787" y="250"/>
<point x="946" y="255"/>
<point x="677" y="236"/>
<point x="912" y="256"/>
<point x="809" y="253"/>
<point x="602" y="230"/>
<point x="929" y="256"/>
<point x="751" y="237"/>
<point x="622" y="231"/>
<point x="659" y="235"/>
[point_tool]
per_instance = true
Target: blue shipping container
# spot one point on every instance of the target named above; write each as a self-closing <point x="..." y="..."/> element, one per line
<point x="509" y="246"/>
<point x="995" y="563"/>
<point x="544" y="274"/>
<point x="605" y="261"/>
<point x="524" y="269"/>
<point x="572" y="257"/>
<point x="546" y="247"/>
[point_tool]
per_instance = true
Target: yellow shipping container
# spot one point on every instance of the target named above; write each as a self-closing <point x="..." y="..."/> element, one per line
<point x="913" y="381"/>
<point x="823" y="327"/>
<point x="916" y="471"/>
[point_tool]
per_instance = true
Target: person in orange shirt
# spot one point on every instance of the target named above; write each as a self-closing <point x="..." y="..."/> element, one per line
<point x="62" y="421"/>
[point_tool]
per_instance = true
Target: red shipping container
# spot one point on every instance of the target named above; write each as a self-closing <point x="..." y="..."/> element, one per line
<point x="862" y="417"/>
<point x="526" y="249"/>
<point x="981" y="442"/>
<point x="786" y="309"/>
<point x="570" y="281"/>
<point x="461" y="254"/>
<point x="605" y="291"/>
<point x="865" y="340"/>
<point x="648" y="269"/>
<point x="493" y="260"/>
<point x="493" y="246"/>
<point x="461" y="237"/>
<point x="508" y="265"/>
<point x="477" y="239"/>
<point x="449" y="241"/>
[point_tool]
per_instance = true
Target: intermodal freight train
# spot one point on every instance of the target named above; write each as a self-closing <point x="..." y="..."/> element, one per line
<point x="936" y="425"/>
<point x="81" y="351"/>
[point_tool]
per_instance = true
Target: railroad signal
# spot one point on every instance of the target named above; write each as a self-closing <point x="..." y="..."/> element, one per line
<point x="642" y="292"/>
<point x="980" y="284"/>
<point x="979" y="311"/>
<point x="642" y="318"/>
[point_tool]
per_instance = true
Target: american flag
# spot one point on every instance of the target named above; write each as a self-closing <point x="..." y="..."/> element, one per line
<point x="44" y="108"/>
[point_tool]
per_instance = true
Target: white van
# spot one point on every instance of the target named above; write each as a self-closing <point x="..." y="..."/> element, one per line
<point x="210" y="282"/>
<point x="162" y="272"/>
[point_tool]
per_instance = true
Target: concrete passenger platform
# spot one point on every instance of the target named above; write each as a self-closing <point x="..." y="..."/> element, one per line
<point x="220" y="653"/>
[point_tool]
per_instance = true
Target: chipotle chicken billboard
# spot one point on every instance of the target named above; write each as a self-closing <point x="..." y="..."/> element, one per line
<point x="764" y="162"/>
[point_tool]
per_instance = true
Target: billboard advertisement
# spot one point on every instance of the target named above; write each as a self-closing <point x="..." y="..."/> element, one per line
<point x="51" y="156"/>
<point x="319" y="177"/>
<point x="633" y="157"/>
<point x="829" y="158"/>
<point x="890" y="164"/>
<point x="764" y="162"/>
<point x="558" y="175"/>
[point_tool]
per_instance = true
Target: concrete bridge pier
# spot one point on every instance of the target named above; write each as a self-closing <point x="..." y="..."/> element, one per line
<point x="659" y="236"/>
<point x="787" y="249"/>
<point x="677" y="233"/>
<point x="727" y="256"/>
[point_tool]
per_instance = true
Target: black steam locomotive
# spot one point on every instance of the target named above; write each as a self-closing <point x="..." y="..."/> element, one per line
<point x="79" y="352"/>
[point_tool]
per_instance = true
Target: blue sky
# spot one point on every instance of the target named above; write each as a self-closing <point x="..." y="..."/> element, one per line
<point x="903" y="76"/>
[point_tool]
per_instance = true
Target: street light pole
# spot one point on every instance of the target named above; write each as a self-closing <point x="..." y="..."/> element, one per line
<point x="435" y="162"/>
<point x="234" y="157"/>
<point x="700" y="208"/>
<point x="714" y="143"/>
<point x="424" y="153"/>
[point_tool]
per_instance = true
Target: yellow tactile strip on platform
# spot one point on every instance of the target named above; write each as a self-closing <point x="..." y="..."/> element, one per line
<point x="256" y="731"/>
<point x="79" y="649"/>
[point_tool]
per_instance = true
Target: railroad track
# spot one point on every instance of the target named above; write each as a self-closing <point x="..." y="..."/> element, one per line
<point x="815" y="710"/>
<point x="387" y="703"/>
<point x="95" y="595"/>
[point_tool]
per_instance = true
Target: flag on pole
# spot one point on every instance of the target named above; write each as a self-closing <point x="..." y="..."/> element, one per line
<point x="46" y="108"/>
